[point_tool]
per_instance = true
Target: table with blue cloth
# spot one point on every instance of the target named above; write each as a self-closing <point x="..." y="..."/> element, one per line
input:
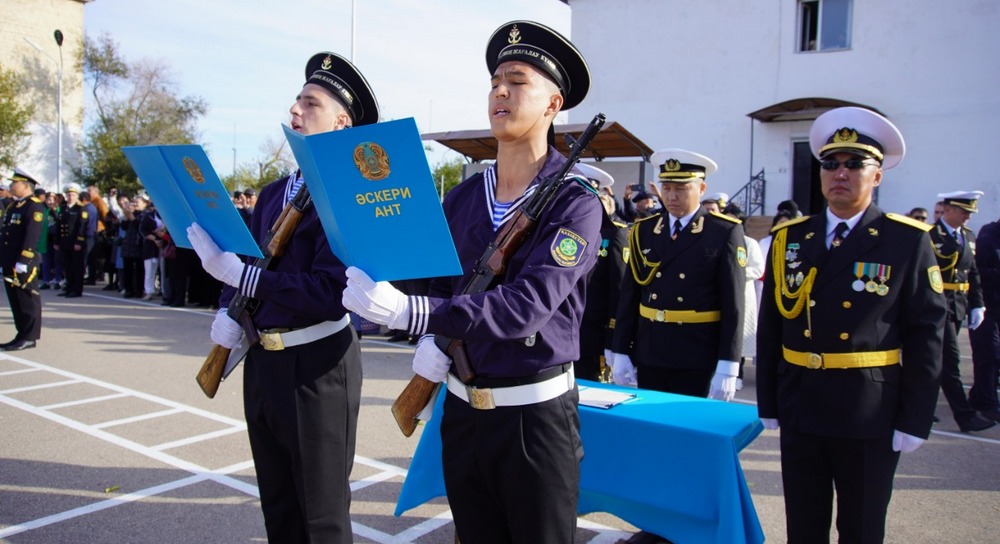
<point x="668" y="464"/>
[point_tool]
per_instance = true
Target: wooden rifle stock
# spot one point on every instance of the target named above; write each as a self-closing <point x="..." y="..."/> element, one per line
<point x="210" y="375"/>
<point x="490" y="266"/>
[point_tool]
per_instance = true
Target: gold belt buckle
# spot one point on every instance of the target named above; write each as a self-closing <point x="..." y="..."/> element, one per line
<point x="815" y="361"/>
<point x="481" y="399"/>
<point x="661" y="315"/>
<point x="271" y="341"/>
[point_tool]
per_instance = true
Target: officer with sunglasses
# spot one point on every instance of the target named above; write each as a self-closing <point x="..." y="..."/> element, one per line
<point x="850" y="294"/>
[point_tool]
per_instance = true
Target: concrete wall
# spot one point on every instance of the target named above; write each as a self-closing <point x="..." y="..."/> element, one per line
<point x="36" y="20"/>
<point x="685" y="73"/>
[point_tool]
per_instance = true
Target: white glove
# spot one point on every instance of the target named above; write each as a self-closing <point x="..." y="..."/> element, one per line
<point x="21" y="268"/>
<point x="976" y="316"/>
<point x="724" y="381"/>
<point x="770" y="423"/>
<point x="222" y="265"/>
<point x="429" y="361"/>
<point x="609" y="358"/>
<point x="905" y="443"/>
<point x="226" y="332"/>
<point x="379" y="302"/>
<point x="622" y="370"/>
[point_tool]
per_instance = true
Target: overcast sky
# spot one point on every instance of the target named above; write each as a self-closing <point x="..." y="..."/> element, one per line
<point x="246" y="58"/>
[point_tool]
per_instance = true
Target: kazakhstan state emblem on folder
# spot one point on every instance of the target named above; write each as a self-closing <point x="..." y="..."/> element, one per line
<point x="372" y="161"/>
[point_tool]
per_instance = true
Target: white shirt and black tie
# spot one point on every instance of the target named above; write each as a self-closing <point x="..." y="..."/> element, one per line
<point x="833" y="225"/>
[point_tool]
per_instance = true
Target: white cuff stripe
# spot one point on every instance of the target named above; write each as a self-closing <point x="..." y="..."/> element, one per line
<point x="418" y="315"/>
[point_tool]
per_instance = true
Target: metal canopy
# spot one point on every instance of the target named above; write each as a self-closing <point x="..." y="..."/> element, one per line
<point x="802" y="109"/>
<point x="612" y="141"/>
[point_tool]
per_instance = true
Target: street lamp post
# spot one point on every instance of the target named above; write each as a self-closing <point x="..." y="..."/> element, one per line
<point x="59" y="139"/>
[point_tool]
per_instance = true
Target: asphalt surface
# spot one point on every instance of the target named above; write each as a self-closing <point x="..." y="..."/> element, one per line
<point x="107" y="438"/>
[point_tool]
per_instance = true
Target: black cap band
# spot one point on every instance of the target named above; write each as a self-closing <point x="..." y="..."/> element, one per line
<point x="539" y="58"/>
<point x="339" y="89"/>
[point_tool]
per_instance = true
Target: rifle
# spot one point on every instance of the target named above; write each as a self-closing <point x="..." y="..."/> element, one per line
<point x="220" y="359"/>
<point x="490" y="267"/>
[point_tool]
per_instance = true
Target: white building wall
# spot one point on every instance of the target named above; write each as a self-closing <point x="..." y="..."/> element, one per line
<point x="684" y="73"/>
<point x="36" y="20"/>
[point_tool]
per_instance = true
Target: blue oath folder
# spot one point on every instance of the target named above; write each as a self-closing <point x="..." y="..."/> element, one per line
<point x="185" y="188"/>
<point x="371" y="187"/>
<point x="376" y="198"/>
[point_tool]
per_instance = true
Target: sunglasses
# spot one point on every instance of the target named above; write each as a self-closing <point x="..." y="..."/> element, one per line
<point x="850" y="164"/>
<point x="920" y="217"/>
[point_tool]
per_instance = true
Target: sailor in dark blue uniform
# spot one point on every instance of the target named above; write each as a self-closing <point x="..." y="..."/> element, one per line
<point x="680" y="318"/>
<point x="955" y="249"/>
<point x="603" y="283"/>
<point x="302" y="383"/>
<point x="849" y="337"/>
<point x="24" y="219"/>
<point x="511" y="443"/>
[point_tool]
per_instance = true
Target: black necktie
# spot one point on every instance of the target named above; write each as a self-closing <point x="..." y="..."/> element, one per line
<point x="838" y="234"/>
<point x="677" y="228"/>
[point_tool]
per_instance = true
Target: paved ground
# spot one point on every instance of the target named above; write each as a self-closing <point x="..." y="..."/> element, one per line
<point x="107" y="438"/>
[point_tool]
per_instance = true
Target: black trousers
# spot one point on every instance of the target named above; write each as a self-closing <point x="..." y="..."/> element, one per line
<point x="861" y="472"/>
<point x="592" y="340"/>
<point x="693" y="382"/>
<point x="301" y="406"/>
<point x="951" y="380"/>
<point x="985" y="342"/>
<point x="27" y="310"/>
<point x="73" y="267"/>
<point x="513" y="473"/>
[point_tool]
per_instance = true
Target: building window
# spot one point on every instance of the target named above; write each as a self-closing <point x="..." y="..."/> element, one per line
<point x="824" y="25"/>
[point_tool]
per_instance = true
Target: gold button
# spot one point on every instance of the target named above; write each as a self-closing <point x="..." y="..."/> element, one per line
<point x="681" y="275"/>
<point x="653" y="296"/>
<point x="658" y="274"/>
<point x="806" y="333"/>
<point x="680" y="299"/>
<point x="847" y="304"/>
<point x="844" y="336"/>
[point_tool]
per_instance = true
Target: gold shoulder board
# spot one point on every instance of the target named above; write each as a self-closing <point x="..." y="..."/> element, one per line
<point x="789" y="223"/>
<point x="726" y="217"/>
<point x="909" y="221"/>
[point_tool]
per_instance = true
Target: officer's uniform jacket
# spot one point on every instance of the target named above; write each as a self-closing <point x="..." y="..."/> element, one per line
<point x="22" y="226"/>
<point x="703" y="270"/>
<point x="879" y="291"/>
<point x="604" y="280"/>
<point x="73" y="227"/>
<point x="988" y="265"/>
<point x="531" y="320"/>
<point x="962" y="288"/>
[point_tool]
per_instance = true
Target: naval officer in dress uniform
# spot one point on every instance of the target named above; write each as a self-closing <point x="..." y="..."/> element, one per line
<point x="849" y="337"/>
<point x="680" y="312"/>
<point x="23" y="222"/>
<point x="955" y="249"/>
<point x="302" y="383"/>
<point x="510" y="441"/>
<point x="603" y="282"/>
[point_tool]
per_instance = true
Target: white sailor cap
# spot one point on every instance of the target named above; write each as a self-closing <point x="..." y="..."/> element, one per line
<point x="719" y="198"/>
<point x="682" y="166"/>
<point x="967" y="200"/>
<point x="858" y="131"/>
<point x="594" y="173"/>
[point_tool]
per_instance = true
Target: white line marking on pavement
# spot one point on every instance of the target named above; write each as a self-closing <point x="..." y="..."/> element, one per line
<point x="133" y="419"/>
<point x="83" y="401"/>
<point x="39" y="386"/>
<point x="18" y="371"/>
<point x="196" y="439"/>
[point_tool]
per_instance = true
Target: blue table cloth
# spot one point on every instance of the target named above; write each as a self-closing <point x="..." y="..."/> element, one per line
<point x="665" y="463"/>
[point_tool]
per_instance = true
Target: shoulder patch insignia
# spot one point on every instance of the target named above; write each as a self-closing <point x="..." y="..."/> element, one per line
<point x="741" y="256"/>
<point x="567" y="248"/>
<point x="911" y="222"/>
<point x="934" y="274"/>
<point x="789" y="223"/>
<point x="725" y="217"/>
<point x="38" y="217"/>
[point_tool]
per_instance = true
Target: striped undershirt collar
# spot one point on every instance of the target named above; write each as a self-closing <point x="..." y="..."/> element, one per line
<point x="495" y="208"/>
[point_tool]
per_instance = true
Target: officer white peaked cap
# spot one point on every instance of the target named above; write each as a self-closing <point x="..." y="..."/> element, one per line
<point x="681" y="165"/>
<point x="967" y="200"/>
<point x="721" y="198"/>
<point x="72" y="188"/>
<point x="602" y="178"/>
<point x="858" y="131"/>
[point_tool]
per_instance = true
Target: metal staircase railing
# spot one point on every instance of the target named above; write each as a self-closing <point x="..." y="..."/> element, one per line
<point x="750" y="198"/>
